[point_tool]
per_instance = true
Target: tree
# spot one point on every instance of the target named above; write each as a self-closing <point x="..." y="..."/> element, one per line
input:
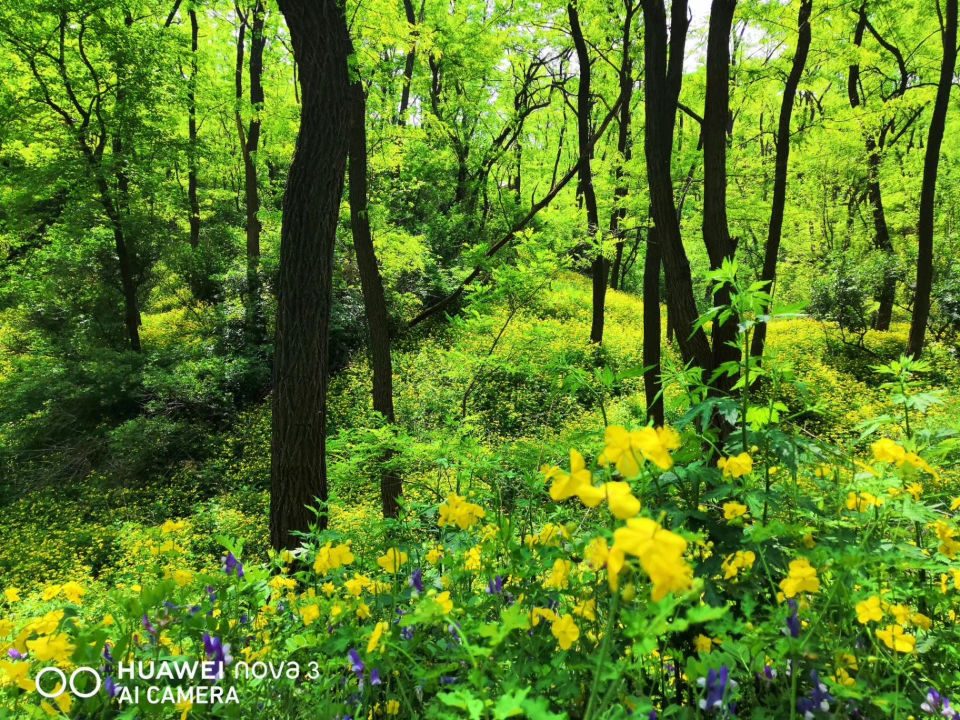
<point x="298" y="477"/>
<point x="782" y="142"/>
<point x="375" y="304"/>
<point x="928" y="190"/>
<point x="600" y="266"/>
<point x="716" y="119"/>
<point x="663" y="73"/>
<point x="624" y="144"/>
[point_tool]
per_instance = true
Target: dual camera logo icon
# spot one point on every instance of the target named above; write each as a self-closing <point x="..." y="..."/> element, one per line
<point x="70" y="682"/>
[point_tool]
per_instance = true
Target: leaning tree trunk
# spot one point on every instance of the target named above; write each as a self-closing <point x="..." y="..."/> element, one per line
<point x="375" y="303"/>
<point x="881" y="238"/>
<point x="652" y="383"/>
<point x="716" y="233"/>
<point x="254" y="310"/>
<point x="619" y="212"/>
<point x="928" y="191"/>
<point x="663" y="81"/>
<point x="600" y="266"/>
<point x="311" y="204"/>
<point x="775" y="231"/>
<point x="192" y="132"/>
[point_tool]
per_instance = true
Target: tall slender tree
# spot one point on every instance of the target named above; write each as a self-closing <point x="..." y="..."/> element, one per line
<point x="928" y="190"/>
<point x="624" y="144"/>
<point x="298" y="472"/>
<point x="782" y="141"/>
<point x="716" y="119"/>
<point x="663" y="72"/>
<point x="375" y="304"/>
<point x="600" y="266"/>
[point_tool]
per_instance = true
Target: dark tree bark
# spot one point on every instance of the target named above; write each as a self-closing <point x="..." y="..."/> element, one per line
<point x="775" y="231"/>
<point x="192" y="198"/>
<point x="254" y="309"/>
<point x="716" y="119"/>
<point x="624" y="146"/>
<point x="652" y="383"/>
<point x="375" y="304"/>
<point x="600" y="266"/>
<point x="311" y="204"/>
<point x="881" y="237"/>
<point x="408" y="63"/>
<point x="663" y="77"/>
<point x="928" y="190"/>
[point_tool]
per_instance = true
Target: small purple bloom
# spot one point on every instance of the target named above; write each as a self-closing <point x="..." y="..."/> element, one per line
<point x="356" y="664"/>
<point x="495" y="586"/>
<point x="407" y="633"/>
<point x="716" y="684"/>
<point x="148" y="626"/>
<point x="106" y="653"/>
<point x="447" y="680"/>
<point x="793" y="620"/>
<point x="219" y="652"/>
<point x="937" y="704"/>
<point x="15" y="654"/>
<point x="244" y="619"/>
<point x="375" y="677"/>
<point x="211" y="594"/>
<point x="416" y="580"/>
<point x="110" y="685"/>
<point x="231" y="565"/>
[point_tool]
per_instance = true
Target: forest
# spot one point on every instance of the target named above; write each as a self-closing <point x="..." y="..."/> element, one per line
<point x="482" y="359"/>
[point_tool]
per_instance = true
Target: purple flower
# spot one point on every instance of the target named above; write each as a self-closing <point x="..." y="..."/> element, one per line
<point x="793" y="620"/>
<point x="375" y="677"/>
<point x="416" y="580"/>
<point x="110" y="685"/>
<point x="244" y="619"/>
<point x="148" y="626"/>
<point x="219" y="652"/>
<point x="495" y="586"/>
<point x="211" y="594"/>
<point x="447" y="680"/>
<point x="231" y="565"/>
<point x="937" y="704"/>
<point x="356" y="664"/>
<point x="15" y="654"/>
<point x="818" y="700"/>
<point x="716" y="684"/>
<point x="768" y="674"/>
<point x="407" y="633"/>
<point x="106" y="653"/>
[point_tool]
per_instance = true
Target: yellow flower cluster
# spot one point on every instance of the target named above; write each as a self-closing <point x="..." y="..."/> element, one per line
<point x="457" y="511"/>
<point x="886" y="450"/>
<point x="737" y="466"/>
<point x="802" y="577"/>
<point x="330" y="558"/>
<point x="740" y="560"/>
<point x="661" y="555"/>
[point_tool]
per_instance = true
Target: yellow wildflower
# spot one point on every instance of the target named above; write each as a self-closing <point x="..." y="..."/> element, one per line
<point x="802" y="577"/>
<point x="565" y="630"/>
<point x="896" y="639"/>
<point x="736" y="466"/>
<point x="733" y="510"/>
<point x="392" y="560"/>
<point x="375" y="636"/>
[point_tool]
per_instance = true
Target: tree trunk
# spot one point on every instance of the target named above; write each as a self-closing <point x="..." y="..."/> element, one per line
<point x="375" y="303"/>
<point x="928" y="191"/>
<point x="716" y="233"/>
<point x="409" y="63"/>
<point x="192" y="130"/>
<point x="881" y="232"/>
<point x="651" y="330"/>
<point x="660" y="109"/>
<point x="619" y="212"/>
<point x="254" y="310"/>
<point x="775" y="231"/>
<point x="600" y="266"/>
<point x="311" y="205"/>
